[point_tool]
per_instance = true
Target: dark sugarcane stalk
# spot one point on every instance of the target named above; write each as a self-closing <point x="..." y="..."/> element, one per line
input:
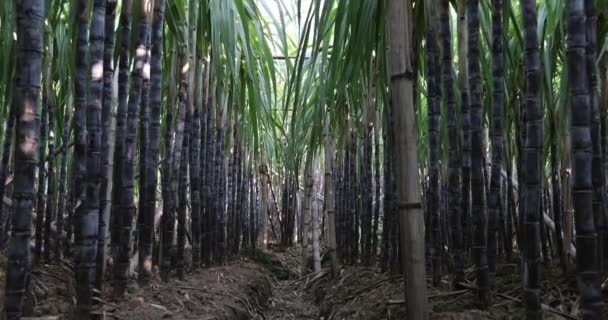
<point x="428" y="247"/>
<point x="358" y="202"/>
<point x="257" y="207"/>
<point x="330" y="194"/>
<point x="124" y="63"/>
<point x="345" y="177"/>
<point x="494" y="198"/>
<point x="532" y="162"/>
<point x="521" y="177"/>
<point x="6" y="156"/>
<point x="264" y="205"/>
<point x="29" y="19"/>
<point x="145" y="199"/>
<point x="337" y="179"/>
<point x="386" y="221"/>
<point x="454" y="160"/>
<point x="248" y="225"/>
<point x="306" y="213"/>
<point x="231" y="195"/>
<point x="180" y="154"/>
<point x="339" y="174"/>
<point x="507" y="224"/>
<point x="82" y="243"/>
<point x="463" y="78"/>
<point x="436" y="221"/>
<point x="377" y="205"/>
<point x="502" y="222"/>
<point x="208" y="239"/>
<point x="238" y="224"/>
<point x="127" y="176"/>
<point x="284" y="211"/>
<point x="510" y="210"/>
<point x="220" y="183"/>
<point x="582" y="156"/>
<point x="244" y="241"/>
<point x="544" y="235"/>
<point x="556" y="194"/>
<point x="89" y="217"/>
<point x="51" y="196"/>
<point x="598" y="166"/>
<point x="433" y="110"/>
<point x="285" y="207"/>
<point x="204" y="148"/>
<point x="195" y="172"/>
<point x="49" y="199"/>
<point x="168" y="217"/>
<point x="240" y="206"/>
<point x="394" y="229"/>
<point x="347" y="199"/>
<point x="107" y="145"/>
<point x="183" y="187"/>
<point x="604" y="143"/>
<point x="293" y="208"/>
<point x="335" y="174"/>
<point x="393" y="255"/>
<point x="40" y="198"/>
<point x="477" y="186"/>
<point x="353" y="230"/>
<point x="253" y="239"/>
<point x="70" y="204"/>
<point x="60" y="239"/>
<point x="367" y="192"/>
<point x="366" y="182"/>
<point x="156" y="74"/>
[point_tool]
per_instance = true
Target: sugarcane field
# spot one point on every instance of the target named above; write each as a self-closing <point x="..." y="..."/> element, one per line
<point x="303" y="159"/>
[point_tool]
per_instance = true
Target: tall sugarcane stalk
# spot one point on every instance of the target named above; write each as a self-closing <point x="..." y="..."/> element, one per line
<point x="497" y="137"/>
<point x="30" y="16"/>
<point x="107" y="144"/>
<point x="477" y="187"/>
<point x="533" y="163"/>
<point x="582" y="156"/>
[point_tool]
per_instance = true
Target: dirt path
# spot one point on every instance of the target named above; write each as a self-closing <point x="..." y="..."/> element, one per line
<point x="289" y="301"/>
